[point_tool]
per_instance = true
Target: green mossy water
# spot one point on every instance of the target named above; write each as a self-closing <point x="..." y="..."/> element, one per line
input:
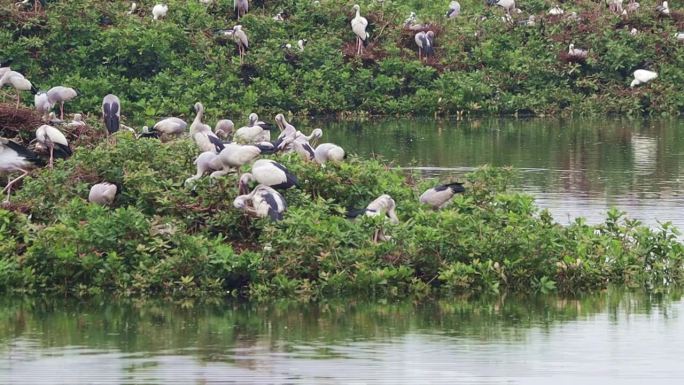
<point x="160" y="240"/>
<point x="487" y="66"/>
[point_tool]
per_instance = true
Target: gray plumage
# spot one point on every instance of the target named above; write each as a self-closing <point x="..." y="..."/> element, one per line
<point x="111" y="113"/>
<point x="241" y="7"/>
<point x="103" y="193"/>
<point x="241" y="40"/>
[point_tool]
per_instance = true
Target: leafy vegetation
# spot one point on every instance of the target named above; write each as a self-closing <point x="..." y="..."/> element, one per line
<point x="160" y="238"/>
<point x="482" y="65"/>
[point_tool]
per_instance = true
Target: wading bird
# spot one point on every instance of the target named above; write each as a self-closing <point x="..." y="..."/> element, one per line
<point x="205" y="162"/>
<point x="329" y="152"/>
<point x="507" y="5"/>
<point x="201" y="133"/>
<point x="241" y="7"/>
<point x="663" y="9"/>
<point x="159" y="11"/>
<point x="111" y="113"/>
<point x="454" y="10"/>
<point x="240" y="39"/>
<point x="76" y="122"/>
<point x="224" y="129"/>
<point x="234" y="156"/>
<point x="262" y="202"/>
<point x="359" y="25"/>
<point x="269" y="173"/>
<point x="16" y="158"/>
<point x="440" y="196"/>
<point x="632" y="6"/>
<point x="577" y="53"/>
<point x="53" y="139"/>
<point x="18" y="82"/>
<point x="61" y="94"/>
<point x="424" y="41"/>
<point x="170" y="127"/>
<point x="384" y="205"/>
<point x="42" y="103"/>
<point x="643" y="77"/>
<point x="103" y="193"/>
<point x="286" y="129"/>
<point x="254" y="132"/>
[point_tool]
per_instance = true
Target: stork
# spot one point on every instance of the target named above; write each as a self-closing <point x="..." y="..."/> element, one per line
<point x="111" y="113"/>
<point x="159" y="11"/>
<point x="103" y="193"/>
<point x="61" y="94"/>
<point x="359" y="25"/>
<point x="643" y="77"/>
<point x="15" y="157"/>
<point x="241" y="7"/>
<point x="170" y="126"/>
<point x="241" y="40"/>
<point x="269" y="173"/>
<point x="18" y="82"/>
<point x="454" y="10"/>
<point x="440" y="196"/>
<point x="53" y="140"/>
<point x="262" y="202"/>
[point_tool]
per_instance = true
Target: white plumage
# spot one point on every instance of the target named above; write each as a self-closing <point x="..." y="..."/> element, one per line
<point x="286" y="129"/>
<point x="643" y="77"/>
<point x="234" y="156"/>
<point x="241" y="7"/>
<point x="102" y="193"/>
<point x="262" y="202"/>
<point x="42" y="103"/>
<point x="61" y="94"/>
<point x="381" y="206"/>
<point x="159" y="11"/>
<point x="663" y="9"/>
<point x="577" y="53"/>
<point x="205" y="162"/>
<point x="454" y="9"/>
<point x="359" y="25"/>
<point x="253" y="132"/>
<point x="240" y="38"/>
<point x="53" y="139"/>
<point x="556" y="11"/>
<point x="269" y="173"/>
<point x="170" y="126"/>
<point x="329" y="152"/>
<point x="77" y="121"/>
<point x="17" y="81"/>
<point x="440" y="196"/>
<point x="224" y="128"/>
<point x="15" y="157"/>
<point x="508" y="5"/>
<point x="679" y="36"/>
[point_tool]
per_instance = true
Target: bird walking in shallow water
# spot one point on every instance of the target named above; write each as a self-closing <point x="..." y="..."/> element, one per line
<point x="359" y="25"/>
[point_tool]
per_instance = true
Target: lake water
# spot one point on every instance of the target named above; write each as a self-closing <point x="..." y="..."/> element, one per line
<point x="574" y="167"/>
<point x="615" y="337"/>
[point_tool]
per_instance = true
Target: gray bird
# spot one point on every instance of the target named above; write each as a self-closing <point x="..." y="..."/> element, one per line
<point x="240" y="38"/>
<point x="454" y="10"/>
<point x="103" y="193"/>
<point x="241" y="7"/>
<point x="425" y="44"/>
<point x="440" y="196"/>
<point x="111" y="113"/>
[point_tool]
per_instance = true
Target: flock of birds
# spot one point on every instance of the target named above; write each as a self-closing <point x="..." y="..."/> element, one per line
<point x="220" y="156"/>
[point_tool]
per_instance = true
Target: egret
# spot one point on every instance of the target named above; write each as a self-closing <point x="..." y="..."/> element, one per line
<point x="170" y="126"/>
<point x="54" y="140"/>
<point x="241" y="7"/>
<point x="269" y="173"/>
<point x="359" y="25"/>
<point x="61" y="94"/>
<point x="454" y="10"/>
<point x="224" y="128"/>
<point x="159" y="11"/>
<point x="425" y="44"/>
<point x="240" y="38"/>
<point x="440" y="196"/>
<point x="329" y="152"/>
<point x="262" y="202"/>
<point x="111" y="113"/>
<point x="15" y="157"/>
<point x="643" y="77"/>
<point x="18" y="82"/>
<point x="103" y="193"/>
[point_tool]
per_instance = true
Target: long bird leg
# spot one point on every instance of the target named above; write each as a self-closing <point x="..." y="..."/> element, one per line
<point x="52" y="152"/>
<point x="61" y="111"/>
<point x="8" y="188"/>
<point x="18" y="100"/>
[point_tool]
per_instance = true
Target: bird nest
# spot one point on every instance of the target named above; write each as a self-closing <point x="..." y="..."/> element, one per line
<point x="566" y="57"/>
<point x="407" y="39"/>
<point x="14" y="122"/>
<point x="371" y="53"/>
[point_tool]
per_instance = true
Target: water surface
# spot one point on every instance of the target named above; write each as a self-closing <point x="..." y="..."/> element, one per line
<point x="608" y="338"/>
<point x="574" y="167"/>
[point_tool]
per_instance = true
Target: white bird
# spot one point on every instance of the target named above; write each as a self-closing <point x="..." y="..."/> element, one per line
<point x="454" y="10"/>
<point x="103" y="193"/>
<point x="234" y="156"/>
<point x="679" y="36"/>
<point x="301" y="43"/>
<point x="254" y="132"/>
<point x="615" y="6"/>
<point x="410" y="20"/>
<point x="241" y="40"/>
<point x="42" y="103"/>
<point x="205" y="162"/>
<point x="634" y="32"/>
<point x="300" y="146"/>
<point x="224" y="128"/>
<point x="17" y="81"/>
<point x="663" y="9"/>
<point x="159" y="11"/>
<point x="262" y="202"/>
<point x="425" y="41"/>
<point x="241" y="7"/>
<point x="286" y="129"/>
<point x="632" y="6"/>
<point x="329" y="152"/>
<point x="279" y="17"/>
<point x="197" y="122"/>
<point x="556" y="11"/>
<point x="269" y="173"/>
<point x="439" y="196"/>
<point x="384" y="205"/>
<point x="507" y="5"/>
<point x="207" y="140"/>
<point x="316" y="134"/>
<point x="134" y="6"/>
<point x="643" y="77"/>
<point x="53" y="140"/>
<point x="359" y="25"/>
<point x="15" y="157"/>
<point x="111" y="113"/>
<point x="577" y="53"/>
<point x="77" y="121"/>
<point x="170" y="126"/>
<point x="61" y="94"/>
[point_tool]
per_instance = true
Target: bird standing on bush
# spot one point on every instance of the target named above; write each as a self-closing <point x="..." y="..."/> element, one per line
<point x="61" y="94"/>
<point x="103" y="193"/>
<point x="643" y="77"/>
<point x="454" y="10"/>
<point x="241" y="7"/>
<point x="269" y="173"/>
<point x="159" y="11"/>
<point x="241" y="40"/>
<point x="425" y="41"/>
<point x="440" y="196"/>
<point x="262" y="202"/>
<point x="53" y="139"/>
<point x="111" y="113"/>
<point x="15" y="157"/>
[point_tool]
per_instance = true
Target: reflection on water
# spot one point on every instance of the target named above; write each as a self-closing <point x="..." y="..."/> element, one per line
<point x="575" y="167"/>
<point x="612" y="337"/>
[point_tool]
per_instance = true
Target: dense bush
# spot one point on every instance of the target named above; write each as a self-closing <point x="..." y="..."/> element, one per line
<point x="482" y="65"/>
<point x="160" y="238"/>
